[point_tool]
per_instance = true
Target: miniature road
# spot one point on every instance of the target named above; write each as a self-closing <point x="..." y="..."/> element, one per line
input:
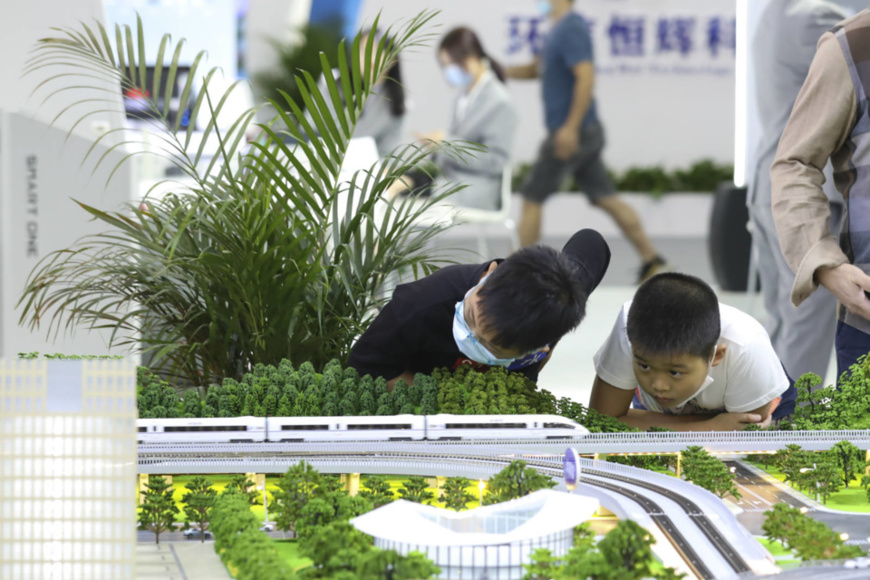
<point x="179" y="561"/>
<point x="760" y="494"/>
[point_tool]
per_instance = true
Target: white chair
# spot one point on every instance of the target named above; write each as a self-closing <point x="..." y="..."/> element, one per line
<point x="483" y="217"/>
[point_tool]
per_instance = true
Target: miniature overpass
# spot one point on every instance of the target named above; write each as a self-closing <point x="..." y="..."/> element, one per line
<point x="592" y="444"/>
<point x="695" y="531"/>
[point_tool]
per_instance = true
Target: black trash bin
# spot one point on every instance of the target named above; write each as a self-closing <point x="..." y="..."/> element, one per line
<point x="730" y="243"/>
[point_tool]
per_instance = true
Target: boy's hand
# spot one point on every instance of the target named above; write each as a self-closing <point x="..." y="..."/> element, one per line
<point x="736" y="421"/>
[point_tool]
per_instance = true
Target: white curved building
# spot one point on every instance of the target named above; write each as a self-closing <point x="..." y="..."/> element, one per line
<point x="487" y="543"/>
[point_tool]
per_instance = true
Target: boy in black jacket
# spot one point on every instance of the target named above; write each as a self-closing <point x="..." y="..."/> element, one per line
<point x="506" y="313"/>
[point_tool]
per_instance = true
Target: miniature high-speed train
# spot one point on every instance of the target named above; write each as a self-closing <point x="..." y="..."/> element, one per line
<point x="379" y="428"/>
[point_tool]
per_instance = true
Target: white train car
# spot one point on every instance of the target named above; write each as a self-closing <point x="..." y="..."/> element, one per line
<point x="219" y="430"/>
<point x="366" y="428"/>
<point x="464" y="427"/>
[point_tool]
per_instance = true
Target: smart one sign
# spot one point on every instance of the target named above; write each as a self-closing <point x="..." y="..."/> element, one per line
<point x="32" y="207"/>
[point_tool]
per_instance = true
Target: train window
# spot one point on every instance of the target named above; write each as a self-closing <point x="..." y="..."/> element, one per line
<point x="143" y="429"/>
<point x="485" y="426"/>
<point x="558" y="426"/>
<point x="364" y="427"/>
<point x="304" y="427"/>
<point x="206" y="428"/>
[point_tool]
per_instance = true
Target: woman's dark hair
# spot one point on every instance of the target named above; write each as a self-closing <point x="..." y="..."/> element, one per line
<point x="392" y="90"/>
<point x="462" y="42"/>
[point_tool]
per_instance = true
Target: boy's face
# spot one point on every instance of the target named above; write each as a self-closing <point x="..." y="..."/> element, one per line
<point x="672" y="379"/>
<point x="482" y="333"/>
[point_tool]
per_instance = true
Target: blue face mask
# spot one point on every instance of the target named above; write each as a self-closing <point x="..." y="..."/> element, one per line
<point x="456" y="76"/>
<point x="544" y="7"/>
<point x="467" y="344"/>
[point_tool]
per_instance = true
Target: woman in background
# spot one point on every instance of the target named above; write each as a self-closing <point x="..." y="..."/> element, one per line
<point x="384" y="113"/>
<point x="482" y="113"/>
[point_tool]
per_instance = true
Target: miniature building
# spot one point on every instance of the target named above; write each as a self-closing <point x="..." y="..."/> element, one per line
<point x="491" y="542"/>
<point x="68" y="436"/>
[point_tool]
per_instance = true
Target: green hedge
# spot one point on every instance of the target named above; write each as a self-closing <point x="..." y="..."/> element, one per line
<point x="241" y="544"/>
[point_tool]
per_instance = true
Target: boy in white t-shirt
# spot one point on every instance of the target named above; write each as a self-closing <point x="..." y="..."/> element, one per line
<point x="689" y="363"/>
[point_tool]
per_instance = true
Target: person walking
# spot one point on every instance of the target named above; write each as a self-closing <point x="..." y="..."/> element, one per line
<point x="575" y="137"/>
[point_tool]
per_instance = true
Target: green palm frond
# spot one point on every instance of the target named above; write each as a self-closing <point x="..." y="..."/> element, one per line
<point x="265" y="252"/>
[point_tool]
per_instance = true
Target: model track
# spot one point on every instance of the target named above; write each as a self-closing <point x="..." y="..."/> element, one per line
<point x="554" y="469"/>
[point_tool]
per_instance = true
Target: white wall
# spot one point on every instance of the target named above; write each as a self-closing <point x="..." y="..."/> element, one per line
<point x="205" y="24"/>
<point x="662" y="115"/>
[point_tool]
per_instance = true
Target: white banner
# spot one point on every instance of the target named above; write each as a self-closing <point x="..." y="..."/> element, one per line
<point x="684" y="37"/>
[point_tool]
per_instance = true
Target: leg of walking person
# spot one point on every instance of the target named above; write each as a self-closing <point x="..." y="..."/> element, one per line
<point x="592" y="177"/>
<point x="545" y="178"/>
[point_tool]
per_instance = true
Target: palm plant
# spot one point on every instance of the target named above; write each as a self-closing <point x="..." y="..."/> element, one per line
<point x="267" y="253"/>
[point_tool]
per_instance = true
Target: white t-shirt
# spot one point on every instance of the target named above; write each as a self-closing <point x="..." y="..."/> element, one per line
<point x="749" y="376"/>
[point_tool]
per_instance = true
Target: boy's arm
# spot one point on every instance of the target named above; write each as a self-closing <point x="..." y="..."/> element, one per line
<point x="616" y="402"/>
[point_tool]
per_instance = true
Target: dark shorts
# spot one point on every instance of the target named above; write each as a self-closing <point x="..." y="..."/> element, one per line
<point x="549" y="172"/>
<point x="851" y="344"/>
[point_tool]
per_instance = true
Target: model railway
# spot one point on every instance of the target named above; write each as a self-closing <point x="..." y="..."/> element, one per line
<point x="552" y="468"/>
<point x="665" y="524"/>
<point x="442" y="427"/>
<point x="715" y="537"/>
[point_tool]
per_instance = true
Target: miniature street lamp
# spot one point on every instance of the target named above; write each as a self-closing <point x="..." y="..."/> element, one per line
<point x="844" y="536"/>
<point x="480" y="487"/>
<point x="818" y="485"/>
<point x="804" y="509"/>
<point x="265" y="503"/>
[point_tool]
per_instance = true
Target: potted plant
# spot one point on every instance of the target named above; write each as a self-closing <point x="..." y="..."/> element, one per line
<point x="268" y="254"/>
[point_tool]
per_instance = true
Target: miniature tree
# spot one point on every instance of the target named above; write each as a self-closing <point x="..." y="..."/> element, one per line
<point x="377" y="490"/>
<point x="849" y="459"/>
<point x="823" y="477"/>
<point x="790" y="460"/>
<point x="244" y="486"/>
<point x="628" y="549"/>
<point x="158" y="511"/>
<point x="390" y="565"/>
<point x="385" y="404"/>
<point x="779" y="523"/>
<point x="706" y="471"/>
<point x="334" y="549"/>
<point x="198" y="503"/>
<point x="192" y="406"/>
<point x="295" y="489"/>
<point x="625" y="553"/>
<point x="416" y="489"/>
<point x="415" y="391"/>
<point x="809" y="538"/>
<point x="367" y="403"/>
<point x="515" y="481"/>
<point x="455" y="493"/>
<point x="329" y="506"/>
<point x="542" y="566"/>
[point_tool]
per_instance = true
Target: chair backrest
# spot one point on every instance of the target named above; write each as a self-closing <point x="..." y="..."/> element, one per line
<point x="506" y="190"/>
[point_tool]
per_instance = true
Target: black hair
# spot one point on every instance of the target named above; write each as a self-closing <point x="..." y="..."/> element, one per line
<point x="674" y="314"/>
<point x="392" y="90"/>
<point x="532" y="299"/>
<point x="462" y="42"/>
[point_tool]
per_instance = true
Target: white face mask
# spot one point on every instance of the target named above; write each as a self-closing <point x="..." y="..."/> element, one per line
<point x="467" y="343"/>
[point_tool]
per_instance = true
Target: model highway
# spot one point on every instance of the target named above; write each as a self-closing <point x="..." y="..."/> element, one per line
<point x="698" y="526"/>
